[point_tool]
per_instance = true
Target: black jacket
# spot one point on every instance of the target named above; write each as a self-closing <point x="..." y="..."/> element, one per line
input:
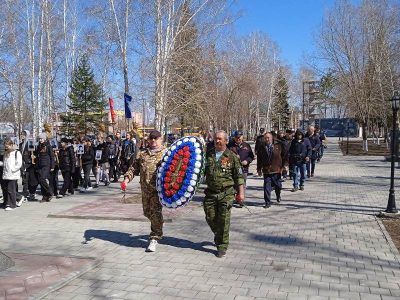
<point x="66" y="158"/>
<point x="315" y="144"/>
<point x="298" y="151"/>
<point x="44" y="160"/>
<point x="105" y="152"/>
<point x="88" y="156"/>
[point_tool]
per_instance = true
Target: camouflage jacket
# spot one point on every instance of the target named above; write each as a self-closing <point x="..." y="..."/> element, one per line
<point x="146" y="165"/>
<point x="223" y="173"/>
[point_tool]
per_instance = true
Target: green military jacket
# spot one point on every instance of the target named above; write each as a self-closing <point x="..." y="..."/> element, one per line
<point x="224" y="173"/>
<point x="146" y="164"/>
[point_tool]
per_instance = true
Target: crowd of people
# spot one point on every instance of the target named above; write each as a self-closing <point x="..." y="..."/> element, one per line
<point x="76" y="160"/>
<point x="290" y="155"/>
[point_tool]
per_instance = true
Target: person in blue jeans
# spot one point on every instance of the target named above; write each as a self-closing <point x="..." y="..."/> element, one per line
<point x="299" y="154"/>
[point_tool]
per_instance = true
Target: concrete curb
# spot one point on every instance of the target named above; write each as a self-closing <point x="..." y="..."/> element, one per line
<point x="68" y="278"/>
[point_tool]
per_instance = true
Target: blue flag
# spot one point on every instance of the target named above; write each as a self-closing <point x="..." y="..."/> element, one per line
<point x="128" y="112"/>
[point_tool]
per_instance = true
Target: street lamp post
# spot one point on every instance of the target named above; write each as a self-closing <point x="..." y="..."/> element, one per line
<point x="391" y="206"/>
<point x="303" y="105"/>
<point x="348" y="132"/>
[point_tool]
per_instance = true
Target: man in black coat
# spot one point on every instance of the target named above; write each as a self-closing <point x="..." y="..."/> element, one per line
<point x="67" y="163"/>
<point x="103" y="163"/>
<point x="44" y="166"/>
<point x="87" y="164"/>
<point x="244" y="152"/>
<point x="315" y="142"/>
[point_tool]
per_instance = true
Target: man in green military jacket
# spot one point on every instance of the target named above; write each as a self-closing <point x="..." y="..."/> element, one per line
<point x="224" y="179"/>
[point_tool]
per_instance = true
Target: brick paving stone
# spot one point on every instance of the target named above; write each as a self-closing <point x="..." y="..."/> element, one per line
<point x="224" y="297"/>
<point x="205" y="295"/>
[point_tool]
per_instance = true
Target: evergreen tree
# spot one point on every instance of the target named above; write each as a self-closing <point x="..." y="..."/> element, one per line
<point x="280" y="115"/>
<point x="86" y="112"/>
<point x="186" y="82"/>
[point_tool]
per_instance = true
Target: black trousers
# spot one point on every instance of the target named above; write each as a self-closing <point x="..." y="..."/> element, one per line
<point x="45" y="186"/>
<point x="77" y="178"/>
<point x="113" y="169"/>
<point x="25" y="190"/>
<point x="54" y="181"/>
<point x="67" y="184"/>
<point x="272" y="181"/>
<point x="9" y="188"/>
<point x="86" y="175"/>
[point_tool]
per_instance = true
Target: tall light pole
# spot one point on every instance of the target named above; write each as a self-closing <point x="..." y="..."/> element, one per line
<point x="303" y="105"/>
<point x="391" y="205"/>
<point x="312" y="89"/>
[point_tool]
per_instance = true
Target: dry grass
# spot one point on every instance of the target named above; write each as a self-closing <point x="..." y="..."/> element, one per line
<point x="392" y="226"/>
<point x="355" y="149"/>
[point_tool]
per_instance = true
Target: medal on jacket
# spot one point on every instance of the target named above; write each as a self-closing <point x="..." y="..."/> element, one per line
<point x="225" y="163"/>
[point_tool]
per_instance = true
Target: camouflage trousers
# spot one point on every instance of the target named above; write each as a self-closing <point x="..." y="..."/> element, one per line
<point x="217" y="207"/>
<point x="152" y="210"/>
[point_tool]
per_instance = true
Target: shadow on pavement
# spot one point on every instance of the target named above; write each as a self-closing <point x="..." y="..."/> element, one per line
<point x="279" y="240"/>
<point x="141" y="241"/>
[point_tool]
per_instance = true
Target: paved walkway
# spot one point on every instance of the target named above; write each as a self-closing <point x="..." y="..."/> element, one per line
<point x="322" y="243"/>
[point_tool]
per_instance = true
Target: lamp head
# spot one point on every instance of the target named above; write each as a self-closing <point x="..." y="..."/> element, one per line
<point x="395" y="100"/>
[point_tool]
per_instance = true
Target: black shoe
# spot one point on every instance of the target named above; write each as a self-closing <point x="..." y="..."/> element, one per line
<point x="268" y="205"/>
<point x="221" y="253"/>
<point x="49" y="199"/>
<point x="107" y="183"/>
<point x="312" y="174"/>
<point x="96" y="186"/>
<point x="302" y="188"/>
<point x="295" y="189"/>
<point x="115" y="180"/>
<point x="308" y="176"/>
<point x="278" y="199"/>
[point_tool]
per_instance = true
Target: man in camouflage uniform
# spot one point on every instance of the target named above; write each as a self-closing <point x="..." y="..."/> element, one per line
<point x="224" y="179"/>
<point x="146" y="164"/>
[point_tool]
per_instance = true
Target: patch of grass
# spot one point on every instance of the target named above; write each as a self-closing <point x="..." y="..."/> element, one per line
<point x="392" y="226"/>
<point x="356" y="149"/>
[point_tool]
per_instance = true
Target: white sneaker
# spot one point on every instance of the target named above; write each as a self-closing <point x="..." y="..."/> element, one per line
<point x="152" y="246"/>
<point x="10" y="208"/>
<point x="59" y="196"/>
<point x="82" y="190"/>
<point x="89" y="188"/>
<point x="19" y="203"/>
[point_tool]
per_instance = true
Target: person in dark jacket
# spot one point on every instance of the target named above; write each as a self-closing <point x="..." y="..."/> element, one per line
<point x="26" y="164"/>
<point x="67" y="163"/>
<point x="87" y="164"/>
<point x="104" y="165"/>
<point x="45" y="164"/>
<point x="315" y="144"/>
<point x="128" y="153"/>
<point x="259" y="141"/>
<point x="76" y="175"/>
<point x="299" y="154"/>
<point x="271" y="161"/>
<point x="54" y="173"/>
<point x="322" y="138"/>
<point x="112" y="157"/>
<point x="243" y="152"/>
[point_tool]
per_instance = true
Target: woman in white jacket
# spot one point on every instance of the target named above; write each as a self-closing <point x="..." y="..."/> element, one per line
<point x="12" y="164"/>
